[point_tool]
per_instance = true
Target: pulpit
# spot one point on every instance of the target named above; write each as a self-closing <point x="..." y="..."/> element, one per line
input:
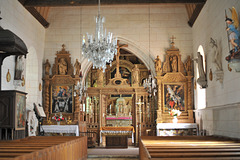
<point x="117" y="137"/>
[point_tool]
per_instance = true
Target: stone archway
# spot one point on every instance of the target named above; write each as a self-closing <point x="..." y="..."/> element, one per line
<point x="138" y="51"/>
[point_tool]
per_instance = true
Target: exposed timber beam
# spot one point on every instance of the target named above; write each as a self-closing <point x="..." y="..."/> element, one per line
<point x="36" y="14"/>
<point x="195" y="14"/>
<point x="57" y="3"/>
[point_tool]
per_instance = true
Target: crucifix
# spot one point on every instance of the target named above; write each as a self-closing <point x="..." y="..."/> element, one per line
<point x="118" y="75"/>
<point x="139" y="103"/>
<point x="172" y="40"/>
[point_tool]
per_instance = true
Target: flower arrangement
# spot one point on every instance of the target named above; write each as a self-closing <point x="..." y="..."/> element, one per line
<point x="175" y="113"/>
<point x="58" y="118"/>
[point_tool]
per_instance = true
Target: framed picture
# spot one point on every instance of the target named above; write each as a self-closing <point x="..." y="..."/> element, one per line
<point x="20" y="111"/>
<point x="174" y="97"/>
<point x="62" y="98"/>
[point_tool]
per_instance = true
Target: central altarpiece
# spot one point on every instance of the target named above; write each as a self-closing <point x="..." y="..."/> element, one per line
<point x="112" y="97"/>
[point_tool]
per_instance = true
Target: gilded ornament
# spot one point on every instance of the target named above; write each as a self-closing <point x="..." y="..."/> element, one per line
<point x="40" y="86"/>
<point x="210" y="75"/>
<point x="8" y="77"/>
<point x="23" y="81"/>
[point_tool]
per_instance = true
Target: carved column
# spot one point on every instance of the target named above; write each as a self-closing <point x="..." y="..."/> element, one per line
<point x="190" y="104"/>
<point x="159" y="101"/>
<point x="76" y="104"/>
<point x="76" y="109"/>
<point x="46" y="97"/>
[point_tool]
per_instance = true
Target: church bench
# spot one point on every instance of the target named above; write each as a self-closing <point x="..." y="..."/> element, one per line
<point x="188" y="147"/>
<point x="44" y="148"/>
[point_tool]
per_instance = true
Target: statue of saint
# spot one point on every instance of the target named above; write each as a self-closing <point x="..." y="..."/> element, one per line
<point x="158" y="64"/>
<point x="77" y="67"/>
<point x="188" y="65"/>
<point x="217" y="59"/>
<point x="62" y="66"/>
<point x="135" y="74"/>
<point x="174" y="63"/>
<point x="47" y="66"/>
<point x="202" y="81"/>
<point x="19" y="67"/>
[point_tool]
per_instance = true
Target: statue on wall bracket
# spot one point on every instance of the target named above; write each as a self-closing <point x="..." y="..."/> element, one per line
<point x="233" y="37"/>
<point x="202" y="80"/>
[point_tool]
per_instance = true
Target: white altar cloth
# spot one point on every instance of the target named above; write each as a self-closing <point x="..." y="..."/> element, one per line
<point x="176" y="126"/>
<point x="61" y="129"/>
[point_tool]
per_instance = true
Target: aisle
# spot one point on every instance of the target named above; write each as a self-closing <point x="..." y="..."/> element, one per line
<point x="113" y="154"/>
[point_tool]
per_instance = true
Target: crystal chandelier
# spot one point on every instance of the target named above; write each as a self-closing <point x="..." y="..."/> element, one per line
<point x="80" y="90"/>
<point x="150" y="83"/>
<point x="101" y="48"/>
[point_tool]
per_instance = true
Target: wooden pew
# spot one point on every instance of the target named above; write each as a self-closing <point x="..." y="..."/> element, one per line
<point x="45" y="148"/>
<point x="188" y="147"/>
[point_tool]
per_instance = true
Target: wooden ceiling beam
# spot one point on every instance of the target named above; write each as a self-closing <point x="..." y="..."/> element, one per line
<point x="57" y="3"/>
<point x="195" y="14"/>
<point x="38" y="16"/>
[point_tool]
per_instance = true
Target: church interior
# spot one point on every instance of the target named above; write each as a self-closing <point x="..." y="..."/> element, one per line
<point x="119" y="79"/>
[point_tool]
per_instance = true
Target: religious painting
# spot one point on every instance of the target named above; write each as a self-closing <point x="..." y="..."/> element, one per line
<point x="125" y="73"/>
<point x="174" y="97"/>
<point x="62" y="98"/>
<point x="20" y="111"/>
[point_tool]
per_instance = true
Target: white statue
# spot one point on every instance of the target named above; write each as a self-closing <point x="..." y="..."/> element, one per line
<point x="202" y="81"/>
<point x="32" y="123"/>
<point x="217" y="59"/>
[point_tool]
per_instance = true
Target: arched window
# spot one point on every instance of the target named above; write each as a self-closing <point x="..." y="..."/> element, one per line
<point x="200" y="92"/>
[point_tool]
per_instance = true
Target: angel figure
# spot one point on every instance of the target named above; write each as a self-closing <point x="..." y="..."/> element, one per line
<point x="232" y="27"/>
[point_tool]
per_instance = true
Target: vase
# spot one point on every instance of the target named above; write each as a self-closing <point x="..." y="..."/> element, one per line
<point x="175" y="120"/>
<point x="58" y="123"/>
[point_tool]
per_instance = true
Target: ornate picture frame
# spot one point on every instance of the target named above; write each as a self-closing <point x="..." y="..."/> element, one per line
<point x="62" y="98"/>
<point x="174" y="96"/>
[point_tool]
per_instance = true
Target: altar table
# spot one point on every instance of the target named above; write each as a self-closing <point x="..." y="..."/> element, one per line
<point x="117" y="131"/>
<point x="170" y="127"/>
<point x="61" y="129"/>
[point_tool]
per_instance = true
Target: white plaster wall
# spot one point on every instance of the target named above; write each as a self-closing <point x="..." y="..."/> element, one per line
<point x="221" y="98"/>
<point x="17" y="19"/>
<point x="130" y="23"/>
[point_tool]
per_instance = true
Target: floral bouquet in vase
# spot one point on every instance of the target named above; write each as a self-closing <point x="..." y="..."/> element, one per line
<point x="58" y="118"/>
<point x="175" y="113"/>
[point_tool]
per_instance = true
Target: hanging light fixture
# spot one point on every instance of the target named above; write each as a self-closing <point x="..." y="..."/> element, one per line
<point x="101" y="48"/>
<point x="150" y="83"/>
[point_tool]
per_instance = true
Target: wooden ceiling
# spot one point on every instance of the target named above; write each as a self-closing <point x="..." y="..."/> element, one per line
<point x="40" y="8"/>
